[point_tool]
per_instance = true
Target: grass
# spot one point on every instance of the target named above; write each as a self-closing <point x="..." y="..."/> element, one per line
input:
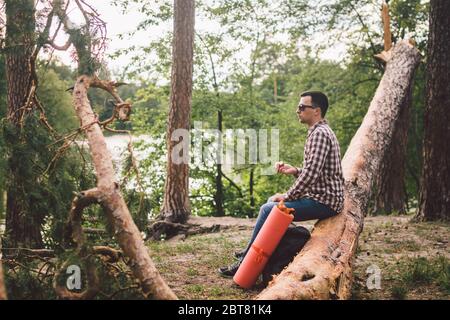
<point x="399" y="292"/>
<point x="409" y="278"/>
<point x="413" y="259"/>
<point x="401" y="246"/>
<point x="191" y="272"/>
<point x="420" y="274"/>
<point x="190" y="265"/>
<point x="195" y="288"/>
<point x="418" y="271"/>
<point x="410" y="264"/>
<point x="443" y="279"/>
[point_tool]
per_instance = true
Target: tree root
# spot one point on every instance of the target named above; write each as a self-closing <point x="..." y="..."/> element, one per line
<point x="160" y="230"/>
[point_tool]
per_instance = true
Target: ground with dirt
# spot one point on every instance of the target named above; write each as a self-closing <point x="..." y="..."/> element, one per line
<point x="412" y="259"/>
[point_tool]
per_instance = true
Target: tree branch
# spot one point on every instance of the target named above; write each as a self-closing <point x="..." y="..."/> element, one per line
<point x="79" y="203"/>
<point x="234" y="185"/>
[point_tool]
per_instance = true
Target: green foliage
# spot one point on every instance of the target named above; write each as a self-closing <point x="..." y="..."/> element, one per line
<point x="48" y="179"/>
<point x="145" y="194"/>
<point x="254" y="48"/>
<point x="410" y="18"/>
<point x="57" y="101"/>
<point x="241" y="85"/>
<point x="23" y="283"/>
<point x="28" y="279"/>
<point x="150" y="109"/>
<point x="47" y="194"/>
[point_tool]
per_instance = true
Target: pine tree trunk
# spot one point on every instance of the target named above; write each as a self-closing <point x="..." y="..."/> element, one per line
<point x="390" y="184"/>
<point x="2" y="284"/>
<point x="434" y="196"/>
<point x="176" y="205"/>
<point x="23" y="228"/>
<point x="323" y="269"/>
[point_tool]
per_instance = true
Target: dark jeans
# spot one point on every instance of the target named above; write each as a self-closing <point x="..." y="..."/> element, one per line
<point x="305" y="209"/>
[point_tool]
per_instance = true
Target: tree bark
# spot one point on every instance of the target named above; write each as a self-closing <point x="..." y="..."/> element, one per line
<point x="176" y="205"/>
<point x="434" y="195"/>
<point x="23" y="228"/>
<point x="2" y="284"/>
<point x="390" y="195"/>
<point x="323" y="269"/>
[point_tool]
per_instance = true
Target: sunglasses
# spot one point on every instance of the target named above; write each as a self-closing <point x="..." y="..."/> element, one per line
<point x="302" y="107"/>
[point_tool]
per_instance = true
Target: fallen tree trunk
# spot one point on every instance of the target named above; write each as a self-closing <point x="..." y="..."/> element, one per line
<point x="107" y="194"/>
<point x="323" y="269"/>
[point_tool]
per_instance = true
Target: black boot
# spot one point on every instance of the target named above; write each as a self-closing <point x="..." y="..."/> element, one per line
<point x="230" y="270"/>
<point x="239" y="254"/>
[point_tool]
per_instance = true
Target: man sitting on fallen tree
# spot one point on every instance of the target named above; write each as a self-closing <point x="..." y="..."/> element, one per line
<point x="318" y="191"/>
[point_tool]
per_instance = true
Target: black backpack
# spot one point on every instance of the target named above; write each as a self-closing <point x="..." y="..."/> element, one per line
<point x="292" y="242"/>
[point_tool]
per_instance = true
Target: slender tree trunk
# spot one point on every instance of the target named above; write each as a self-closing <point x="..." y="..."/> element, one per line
<point x="218" y="196"/>
<point x="390" y="184"/>
<point x="323" y="269"/>
<point x="2" y="284"/>
<point x="434" y="196"/>
<point x="275" y="88"/>
<point x="176" y="205"/>
<point x="23" y="228"/>
<point x="251" y="183"/>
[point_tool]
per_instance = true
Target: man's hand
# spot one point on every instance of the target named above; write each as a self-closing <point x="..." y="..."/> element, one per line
<point x="277" y="197"/>
<point x="285" y="168"/>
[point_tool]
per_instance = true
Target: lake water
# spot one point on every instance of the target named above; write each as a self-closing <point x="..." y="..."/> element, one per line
<point x="117" y="145"/>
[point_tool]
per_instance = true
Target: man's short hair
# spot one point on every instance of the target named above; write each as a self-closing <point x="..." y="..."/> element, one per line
<point x="318" y="99"/>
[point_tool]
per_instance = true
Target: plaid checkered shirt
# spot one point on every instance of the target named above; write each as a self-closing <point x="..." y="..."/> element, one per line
<point x="321" y="177"/>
